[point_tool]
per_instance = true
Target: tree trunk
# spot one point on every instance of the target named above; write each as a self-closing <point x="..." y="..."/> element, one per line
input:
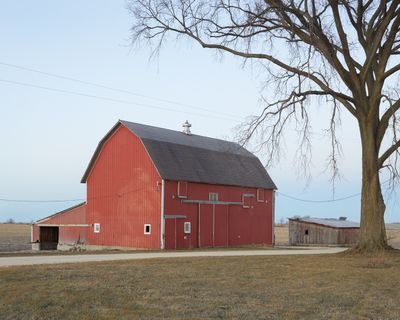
<point x="372" y="231"/>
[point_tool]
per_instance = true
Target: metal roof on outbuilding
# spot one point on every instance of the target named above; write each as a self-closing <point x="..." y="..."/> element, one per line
<point x="182" y="157"/>
<point x="329" y="222"/>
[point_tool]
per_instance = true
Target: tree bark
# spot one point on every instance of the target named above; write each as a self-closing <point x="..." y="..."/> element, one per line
<point x="372" y="230"/>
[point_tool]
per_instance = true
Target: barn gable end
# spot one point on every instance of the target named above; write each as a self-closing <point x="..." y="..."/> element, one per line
<point x="123" y="194"/>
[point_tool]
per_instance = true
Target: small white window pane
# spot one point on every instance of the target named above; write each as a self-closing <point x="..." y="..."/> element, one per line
<point x="96" y="228"/>
<point x="147" y="229"/>
<point x="186" y="227"/>
<point x="212" y="196"/>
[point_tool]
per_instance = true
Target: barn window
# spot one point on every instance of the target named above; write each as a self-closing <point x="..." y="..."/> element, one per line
<point x="246" y="200"/>
<point x="182" y="189"/>
<point x="186" y="227"/>
<point x="260" y="195"/>
<point x="306" y="232"/>
<point x="212" y="196"/>
<point x="96" y="228"/>
<point x="147" y="229"/>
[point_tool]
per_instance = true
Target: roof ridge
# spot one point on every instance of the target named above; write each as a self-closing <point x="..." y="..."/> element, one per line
<point x="177" y="131"/>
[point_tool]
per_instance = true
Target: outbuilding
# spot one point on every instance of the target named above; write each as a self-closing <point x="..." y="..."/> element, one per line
<point x="317" y="231"/>
<point x="61" y="230"/>
<point x="154" y="188"/>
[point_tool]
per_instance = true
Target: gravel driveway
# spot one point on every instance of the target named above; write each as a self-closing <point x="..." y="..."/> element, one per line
<point x="56" y="259"/>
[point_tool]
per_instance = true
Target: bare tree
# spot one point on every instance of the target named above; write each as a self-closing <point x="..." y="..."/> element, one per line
<point x="345" y="52"/>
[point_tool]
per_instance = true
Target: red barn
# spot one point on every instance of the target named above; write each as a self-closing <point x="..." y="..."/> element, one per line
<point x="153" y="188"/>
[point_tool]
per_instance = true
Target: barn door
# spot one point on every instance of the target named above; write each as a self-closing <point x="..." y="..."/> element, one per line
<point x="183" y="234"/>
<point x="206" y="221"/>
<point x="48" y="237"/>
<point x="214" y="228"/>
<point x="178" y="233"/>
<point x="221" y="226"/>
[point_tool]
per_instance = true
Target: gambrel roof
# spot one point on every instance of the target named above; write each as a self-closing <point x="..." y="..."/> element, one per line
<point x="181" y="157"/>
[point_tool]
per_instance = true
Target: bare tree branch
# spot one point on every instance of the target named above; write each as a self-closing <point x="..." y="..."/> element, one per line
<point x="343" y="51"/>
<point x="388" y="153"/>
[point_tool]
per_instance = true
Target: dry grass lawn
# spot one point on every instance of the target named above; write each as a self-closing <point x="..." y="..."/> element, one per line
<point x="287" y="287"/>
<point x="15" y="237"/>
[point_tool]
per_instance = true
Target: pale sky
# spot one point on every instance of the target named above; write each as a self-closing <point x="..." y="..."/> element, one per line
<point x="47" y="137"/>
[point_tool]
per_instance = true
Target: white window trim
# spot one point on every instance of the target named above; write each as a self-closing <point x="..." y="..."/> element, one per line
<point x="244" y="196"/>
<point x="213" y="193"/>
<point x="179" y="189"/>
<point x="145" y="226"/>
<point x="258" y="195"/>
<point x="96" y="227"/>
<point x="187" y="227"/>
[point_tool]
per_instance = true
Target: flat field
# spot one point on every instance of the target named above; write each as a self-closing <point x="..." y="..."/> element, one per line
<point x="15" y="237"/>
<point x="282" y="234"/>
<point x="340" y="286"/>
<point x="393" y="234"/>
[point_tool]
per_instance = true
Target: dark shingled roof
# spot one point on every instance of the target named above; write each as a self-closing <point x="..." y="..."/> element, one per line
<point x="181" y="157"/>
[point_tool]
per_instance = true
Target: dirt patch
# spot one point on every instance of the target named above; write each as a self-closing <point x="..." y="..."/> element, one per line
<point x="15" y="237"/>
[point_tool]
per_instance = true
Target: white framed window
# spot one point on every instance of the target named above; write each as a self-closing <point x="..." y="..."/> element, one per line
<point x="186" y="227"/>
<point x="246" y="200"/>
<point x="260" y="195"/>
<point x="212" y="196"/>
<point x="96" y="228"/>
<point x="182" y="189"/>
<point x="147" y="229"/>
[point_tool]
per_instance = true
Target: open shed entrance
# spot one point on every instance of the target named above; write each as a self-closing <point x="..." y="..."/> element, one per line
<point x="48" y="237"/>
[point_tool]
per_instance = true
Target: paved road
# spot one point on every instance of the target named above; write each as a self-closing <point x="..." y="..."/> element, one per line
<point x="55" y="259"/>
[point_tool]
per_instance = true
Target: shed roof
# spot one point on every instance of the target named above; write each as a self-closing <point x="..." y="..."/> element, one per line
<point x="181" y="157"/>
<point x="60" y="212"/>
<point x="329" y="222"/>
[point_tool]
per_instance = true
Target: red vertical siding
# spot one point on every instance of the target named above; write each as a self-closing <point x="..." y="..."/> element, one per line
<point x="170" y="234"/>
<point x="220" y="225"/>
<point x="206" y="225"/>
<point x="123" y="194"/>
<point x="67" y="234"/>
<point x="175" y="238"/>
